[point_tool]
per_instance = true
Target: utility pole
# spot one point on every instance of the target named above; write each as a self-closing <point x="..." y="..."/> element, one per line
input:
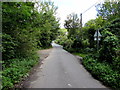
<point x="81" y="21"/>
<point x="81" y="25"/>
<point x="83" y="13"/>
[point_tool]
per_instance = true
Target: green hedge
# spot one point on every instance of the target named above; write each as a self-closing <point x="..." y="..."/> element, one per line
<point x="102" y="71"/>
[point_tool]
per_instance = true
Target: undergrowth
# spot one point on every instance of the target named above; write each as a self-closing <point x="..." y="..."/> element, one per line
<point x="16" y="70"/>
<point x="102" y="71"/>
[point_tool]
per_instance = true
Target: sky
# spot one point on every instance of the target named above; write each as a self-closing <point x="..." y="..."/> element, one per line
<point x="66" y="7"/>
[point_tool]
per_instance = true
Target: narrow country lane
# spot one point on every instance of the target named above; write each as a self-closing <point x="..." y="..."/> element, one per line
<point x="62" y="70"/>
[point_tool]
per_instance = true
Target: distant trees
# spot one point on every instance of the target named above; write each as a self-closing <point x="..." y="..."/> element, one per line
<point x="103" y="63"/>
<point x="72" y="25"/>
<point x="49" y="23"/>
<point x="107" y="22"/>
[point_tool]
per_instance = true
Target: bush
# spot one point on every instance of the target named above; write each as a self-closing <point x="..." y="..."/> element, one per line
<point x="8" y="47"/>
<point x="116" y="64"/>
<point x="86" y="43"/>
<point x="89" y="50"/>
<point x="64" y="41"/>
<point x="77" y="43"/>
<point x="102" y="71"/>
<point x="17" y="69"/>
<point x="24" y="30"/>
<point x="6" y="82"/>
<point x="110" y="45"/>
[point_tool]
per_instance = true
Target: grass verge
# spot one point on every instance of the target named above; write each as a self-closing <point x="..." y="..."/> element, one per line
<point x="80" y="54"/>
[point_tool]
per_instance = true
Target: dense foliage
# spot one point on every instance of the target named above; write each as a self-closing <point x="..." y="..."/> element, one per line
<point x="102" y="71"/>
<point x="110" y="43"/>
<point x="109" y="10"/>
<point x="104" y="63"/>
<point x="72" y="25"/>
<point x="27" y="26"/>
<point x="17" y="70"/>
<point x="73" y="39"/>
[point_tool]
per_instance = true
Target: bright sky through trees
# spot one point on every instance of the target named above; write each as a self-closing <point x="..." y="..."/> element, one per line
<point x="65" y="7"/>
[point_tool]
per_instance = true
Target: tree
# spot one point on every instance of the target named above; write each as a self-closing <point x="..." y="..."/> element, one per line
<point x="16" y="23"/>
<point x="72" y="25"/>
<point x="27" y="28"/>
<point x="109" y="10"/>
<point x="110" y="43"/>
<point x="90" y="28"/>
<point x="49" y="24"/>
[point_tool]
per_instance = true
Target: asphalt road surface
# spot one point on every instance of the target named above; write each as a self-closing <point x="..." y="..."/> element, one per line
<point x="62" y="70"/>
